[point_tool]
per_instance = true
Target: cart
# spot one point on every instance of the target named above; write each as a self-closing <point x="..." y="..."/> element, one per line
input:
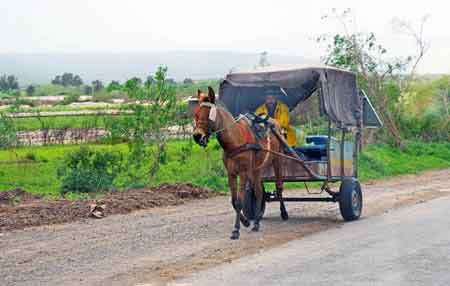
<point x="325" y="158"/>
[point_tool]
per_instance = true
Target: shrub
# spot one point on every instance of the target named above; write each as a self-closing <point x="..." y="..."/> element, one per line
<point x="70" y="99"/>
<point x="86" y="171"/>
<point x="7" y="132"/>
<point x="30" y="156"/>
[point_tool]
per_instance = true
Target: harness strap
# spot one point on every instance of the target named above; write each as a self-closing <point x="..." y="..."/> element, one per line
<point x="243" y="148"/>
<point x="245" y="133"/>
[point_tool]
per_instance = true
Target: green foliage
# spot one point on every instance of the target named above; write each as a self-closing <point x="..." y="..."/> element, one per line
<point x="113" y="86"/>
<point x="143" y="129"/>
<point x="87" y="171"/>
<point x="382" y="76"/>
<point x="8" y="83"/>
<point x="97" y="86"/>
<point x="68" y="79"/>
<point x="187" y="162"/>
<point x="61" y="122"/>
<point x="87" y="90"/>
<point x="188" y="81"/>
<point x="54" y="90"/>
<point x="188" y="90"/>
<point x="379" y="161"/>
<point x="7" y="132"/>
<point x="70" y="99"/>
<point x="424" y="110"/>
<point x="30" y="90"/>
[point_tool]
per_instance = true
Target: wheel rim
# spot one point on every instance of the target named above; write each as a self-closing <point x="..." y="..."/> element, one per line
<point x="356" y="202"/>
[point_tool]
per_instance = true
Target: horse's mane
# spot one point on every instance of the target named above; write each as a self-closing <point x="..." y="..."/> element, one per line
<point x="222" y="106"/>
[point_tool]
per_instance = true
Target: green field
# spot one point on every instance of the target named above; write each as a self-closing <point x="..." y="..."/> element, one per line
<point x="34" y="169"/>
<point x="61" y="122"/>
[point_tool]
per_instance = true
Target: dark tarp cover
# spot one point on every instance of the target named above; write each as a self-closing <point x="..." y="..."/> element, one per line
<point x="243" y="92"/>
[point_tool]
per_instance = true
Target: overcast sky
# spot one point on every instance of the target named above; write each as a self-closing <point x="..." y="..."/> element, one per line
<point x="277" y="26"/>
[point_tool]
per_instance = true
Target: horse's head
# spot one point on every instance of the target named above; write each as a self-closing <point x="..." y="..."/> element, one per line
<point x="205" y="116"/>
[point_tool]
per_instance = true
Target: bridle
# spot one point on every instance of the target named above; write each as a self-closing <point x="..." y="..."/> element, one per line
<point x="212" y="116"/>
<point x="212" y="119"/>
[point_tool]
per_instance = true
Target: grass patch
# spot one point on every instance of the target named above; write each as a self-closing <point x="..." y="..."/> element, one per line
<point x="380" y="161"/>
<point x="36" y="167"/>
<point x="61" y="122"/>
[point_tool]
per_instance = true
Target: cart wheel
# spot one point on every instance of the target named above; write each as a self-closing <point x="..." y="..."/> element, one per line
<point x="350" y="199"/>
<point x="250" y="203"/>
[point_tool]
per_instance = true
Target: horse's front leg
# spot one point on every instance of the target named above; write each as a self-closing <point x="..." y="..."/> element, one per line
<point x="238" y="203"/>
<point x="232" y="182"/>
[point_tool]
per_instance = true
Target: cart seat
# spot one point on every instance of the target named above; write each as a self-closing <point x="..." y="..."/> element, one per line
<point x="313" y="152"/>
<point x="317" y="151"/>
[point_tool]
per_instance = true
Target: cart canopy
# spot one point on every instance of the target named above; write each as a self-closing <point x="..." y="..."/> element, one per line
<point x="243" y="92"/>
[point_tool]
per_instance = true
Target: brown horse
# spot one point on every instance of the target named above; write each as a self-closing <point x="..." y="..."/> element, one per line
<point x="244" y="155"/>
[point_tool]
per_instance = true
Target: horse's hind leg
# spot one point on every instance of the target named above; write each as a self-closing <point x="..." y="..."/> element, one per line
<point x="279" y="187"/>
<point x="259" y="197"/>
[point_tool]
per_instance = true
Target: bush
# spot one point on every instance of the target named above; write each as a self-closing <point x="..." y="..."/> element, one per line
<point x="70" y="99"/>
<point x="86" y="171"/>
<point x="7" y="132"/>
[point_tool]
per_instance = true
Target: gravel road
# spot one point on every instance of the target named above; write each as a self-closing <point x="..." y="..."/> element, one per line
<point x="158" y="245"/>
<point x="407" y="247"/>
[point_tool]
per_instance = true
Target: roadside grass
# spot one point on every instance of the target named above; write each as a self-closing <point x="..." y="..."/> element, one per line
<point x="34" y="168"/>
<point x="380" y="161"/>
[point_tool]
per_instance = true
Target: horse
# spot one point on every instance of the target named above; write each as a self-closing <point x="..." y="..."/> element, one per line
<point x="244" y="155"/>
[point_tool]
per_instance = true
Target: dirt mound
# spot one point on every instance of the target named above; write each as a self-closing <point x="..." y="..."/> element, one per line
<point x="19" y="209"/>
<point x="17" y="196"/>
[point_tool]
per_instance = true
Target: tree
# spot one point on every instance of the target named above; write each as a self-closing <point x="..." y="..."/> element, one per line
<point x="8" y="83"/>
<point x="144" y="127"/>
<point x="87" y="89"/>
<point x="7" y="132"/>
<point x="113" y="85"/>
<point x="263" y="60"/>
<point x="97" y="85"/>
<point x="376" y="70"/>
<point x="57" y="80"/>
<point x="149" y="81"/>
<point x="3" y="83"/>
<point x="171" y="81"/>
<point x="30" y="90"/>
<point x="77" y="81"/>
<point x="67" y="79"/>
<point x="188" y="81"/>
<point x="442" y="87"/>
<point x="13" y="83"/>
<point x="136" y="80"/>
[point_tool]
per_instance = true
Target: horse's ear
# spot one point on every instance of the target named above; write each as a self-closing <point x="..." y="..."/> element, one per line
<point x="198" y="93"/>
<point x="211" y="94"/>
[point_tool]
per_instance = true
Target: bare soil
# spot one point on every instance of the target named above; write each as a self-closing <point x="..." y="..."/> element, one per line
<point x="19" y="209"/>
<point x="157" y="245"/>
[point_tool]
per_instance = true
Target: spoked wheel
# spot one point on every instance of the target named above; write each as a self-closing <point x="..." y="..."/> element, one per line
<point x="250" y="203"/>
<point x="350" y="199"/>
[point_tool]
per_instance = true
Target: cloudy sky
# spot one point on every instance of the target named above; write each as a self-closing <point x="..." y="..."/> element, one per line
<point x="277" y="26"/>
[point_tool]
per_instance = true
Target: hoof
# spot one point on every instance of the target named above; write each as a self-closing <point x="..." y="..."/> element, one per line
<point x="284" y="216"/>
<point x="234" y="235"/>
<point x="245" y="222"/>
<point x="255" y="228"/>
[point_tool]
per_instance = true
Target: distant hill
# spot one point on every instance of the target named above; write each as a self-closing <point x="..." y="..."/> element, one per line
<point x="41" y="68"/>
